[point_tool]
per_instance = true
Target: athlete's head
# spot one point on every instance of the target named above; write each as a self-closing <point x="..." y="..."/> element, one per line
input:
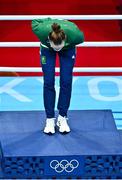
<point x="57" y="37"/>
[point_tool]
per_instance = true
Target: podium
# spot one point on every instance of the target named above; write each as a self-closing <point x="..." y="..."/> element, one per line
<point x="93" y="148"/>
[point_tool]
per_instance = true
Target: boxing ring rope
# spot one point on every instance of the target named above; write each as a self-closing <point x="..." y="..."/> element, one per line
<point x="69" y="17"/>
<point x="85" y="44"/>
<point x="75" y="69"/>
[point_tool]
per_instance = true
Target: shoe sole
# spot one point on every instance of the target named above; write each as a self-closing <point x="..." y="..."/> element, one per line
<point x="49" y="133"/>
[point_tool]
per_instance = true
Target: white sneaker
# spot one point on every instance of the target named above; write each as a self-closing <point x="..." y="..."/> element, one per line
<point x="62" y="124"/>
<point x="50" y="126"/>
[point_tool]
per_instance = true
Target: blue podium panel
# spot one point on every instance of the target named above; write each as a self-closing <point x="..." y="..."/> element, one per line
<point x="120" y="132"/>
<point x="92" y="149"/>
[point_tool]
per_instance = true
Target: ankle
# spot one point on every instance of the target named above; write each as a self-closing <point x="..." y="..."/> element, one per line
<point x="50" y="120"/>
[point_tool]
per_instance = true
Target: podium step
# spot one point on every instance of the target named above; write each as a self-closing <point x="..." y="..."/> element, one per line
<point x="92" y="149"/>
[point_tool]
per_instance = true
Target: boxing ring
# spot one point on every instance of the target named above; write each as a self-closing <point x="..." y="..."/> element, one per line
<point x="92" y="150"/>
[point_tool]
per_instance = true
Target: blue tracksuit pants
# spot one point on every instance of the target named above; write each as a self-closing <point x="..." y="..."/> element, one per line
<point x="48" y="61"/>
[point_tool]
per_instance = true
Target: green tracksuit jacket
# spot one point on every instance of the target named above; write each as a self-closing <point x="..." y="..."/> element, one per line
<point x="42" y="28"/>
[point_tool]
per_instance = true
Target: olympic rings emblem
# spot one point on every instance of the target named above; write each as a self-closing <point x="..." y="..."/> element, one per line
<point x="64" y="165"/>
